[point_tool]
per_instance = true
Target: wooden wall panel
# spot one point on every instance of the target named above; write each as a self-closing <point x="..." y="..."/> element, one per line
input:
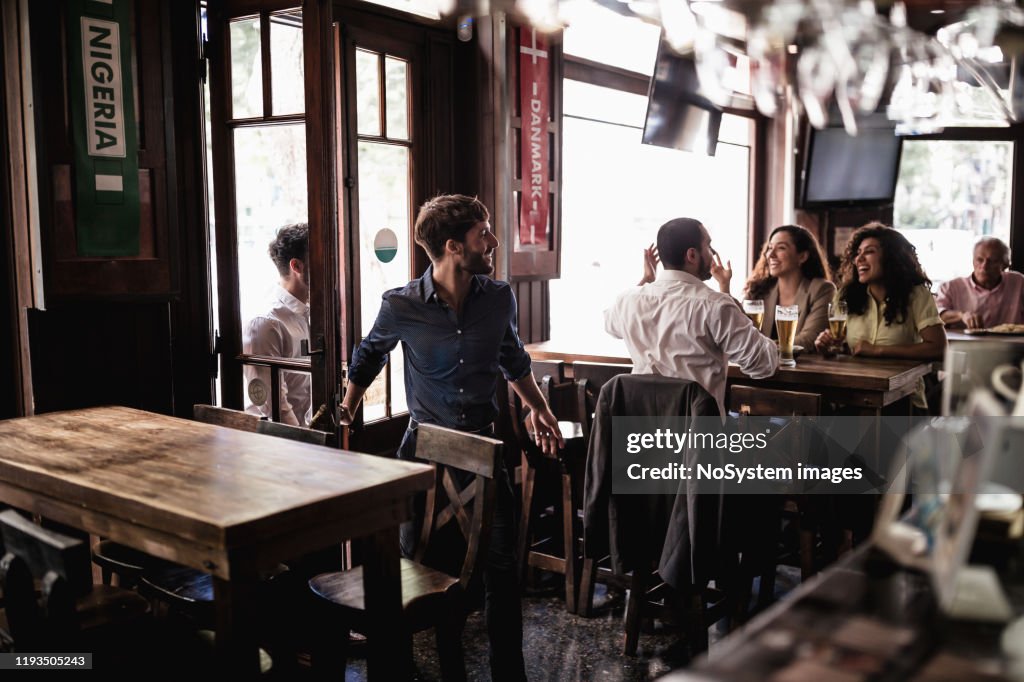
<point x="102" y="354"/>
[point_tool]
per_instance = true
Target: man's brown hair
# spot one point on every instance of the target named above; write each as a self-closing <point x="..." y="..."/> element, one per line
<point x="447" y="216"/>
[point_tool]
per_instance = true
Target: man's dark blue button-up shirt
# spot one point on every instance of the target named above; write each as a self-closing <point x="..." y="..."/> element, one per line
<point x="451" y="362"/>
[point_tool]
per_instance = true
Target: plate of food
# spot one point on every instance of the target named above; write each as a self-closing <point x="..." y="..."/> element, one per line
<point x="998" y="330"/>
<point x="1007" y="329"/>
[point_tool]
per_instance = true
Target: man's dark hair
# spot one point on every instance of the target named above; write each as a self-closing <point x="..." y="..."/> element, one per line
<point x="448" y="216"/>
<point x="675" y="238"/>
<point x="291" y="241"/>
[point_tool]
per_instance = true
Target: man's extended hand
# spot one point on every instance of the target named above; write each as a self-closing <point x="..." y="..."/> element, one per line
<point x="545" y="431"/>
<point x="651" y="261"/>
<point x="721" y="273"/>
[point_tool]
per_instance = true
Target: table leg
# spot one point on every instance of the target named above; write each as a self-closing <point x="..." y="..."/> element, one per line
<point x="237" y="650"/>
<point x="389" y="641"/>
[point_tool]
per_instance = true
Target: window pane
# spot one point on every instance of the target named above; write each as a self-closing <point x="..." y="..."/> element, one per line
<point x="634" y="46"/>
<point x="949" y="193"/>
<point x="661" y="184"/>
<point x="286" y="63"/>
<point x="367" y="93"/>
<point x="270" y="180"/>
<point x="604" y="104"/>
<point x="374" y="400"/>
<point x="384" y="203"/>
<point x="246" y="69"/>
<point x="397" y="94"/>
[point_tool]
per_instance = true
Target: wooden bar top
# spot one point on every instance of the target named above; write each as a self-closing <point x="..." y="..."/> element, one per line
<point x="209" y="484"/>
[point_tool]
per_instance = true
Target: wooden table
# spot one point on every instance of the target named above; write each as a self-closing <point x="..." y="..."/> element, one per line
<point x="866" y="383"/>
<point x="227" y="502"/>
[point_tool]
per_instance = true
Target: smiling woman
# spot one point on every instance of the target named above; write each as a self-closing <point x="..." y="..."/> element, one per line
<point x="891" y="310"/>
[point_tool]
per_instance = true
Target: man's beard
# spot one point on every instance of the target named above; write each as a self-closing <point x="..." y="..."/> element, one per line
<point x="705" y="268"/>
<point x="477" y="263"/>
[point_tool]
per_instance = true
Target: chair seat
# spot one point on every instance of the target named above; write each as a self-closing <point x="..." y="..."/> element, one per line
<point x="185" y="588"/>
<point x="106" y="605"/>
<point x="421" y="587"/>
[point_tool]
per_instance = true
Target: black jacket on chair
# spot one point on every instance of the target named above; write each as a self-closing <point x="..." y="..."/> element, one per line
<point x="681" y="531"/>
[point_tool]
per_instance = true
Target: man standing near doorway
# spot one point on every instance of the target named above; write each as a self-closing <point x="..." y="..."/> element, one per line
<point x="458" y="329"/>
<point x="280" y="330"/>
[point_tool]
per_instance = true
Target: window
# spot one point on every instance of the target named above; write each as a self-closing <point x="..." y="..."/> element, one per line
<point x="384" y="162"/>
<point x="950" y="193"/>
<point x="617" y="192"/>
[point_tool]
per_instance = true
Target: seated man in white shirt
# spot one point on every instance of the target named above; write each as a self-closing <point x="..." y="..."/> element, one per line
<point x="677" y="327"/>
<point x="280" y="331"/>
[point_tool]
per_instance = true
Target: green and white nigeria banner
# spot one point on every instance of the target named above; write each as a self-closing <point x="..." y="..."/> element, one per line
<point x="103" y="118"/>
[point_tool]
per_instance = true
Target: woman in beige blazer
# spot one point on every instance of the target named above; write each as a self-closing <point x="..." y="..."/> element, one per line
<point x="792" y="270"/>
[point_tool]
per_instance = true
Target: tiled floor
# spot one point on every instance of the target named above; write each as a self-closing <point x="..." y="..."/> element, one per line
<point x="561" y="647"/>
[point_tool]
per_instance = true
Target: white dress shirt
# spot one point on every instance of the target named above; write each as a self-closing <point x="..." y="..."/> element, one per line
<point x="279" y="333"/>
<point x="678" y="327"/>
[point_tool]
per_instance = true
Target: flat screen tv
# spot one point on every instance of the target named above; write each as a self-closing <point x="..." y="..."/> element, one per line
<point x="678" y="116"/>
<point x="845" y="170"/>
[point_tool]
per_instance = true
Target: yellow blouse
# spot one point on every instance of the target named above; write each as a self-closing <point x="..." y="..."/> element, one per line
<point x="870" y="326"/>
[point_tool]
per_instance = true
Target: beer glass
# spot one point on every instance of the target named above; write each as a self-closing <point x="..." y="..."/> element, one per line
<point x="785" y="325"/>
<point x="754" y="309"/>
<point x="837" y="314"/>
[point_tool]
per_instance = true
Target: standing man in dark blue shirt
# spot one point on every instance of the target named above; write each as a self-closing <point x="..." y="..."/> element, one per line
<point x="458" y="329"/>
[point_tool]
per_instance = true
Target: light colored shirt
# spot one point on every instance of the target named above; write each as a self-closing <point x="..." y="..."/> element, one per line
<point x="1003" y="304"/>
<point x="870" y="326"/>
<point x="678" y="327"/>
<point x="278" y="333"/>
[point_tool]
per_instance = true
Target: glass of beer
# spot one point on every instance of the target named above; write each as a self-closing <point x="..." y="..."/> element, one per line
<point x="837" y="314"/>
<point x="754" y="309"/>
<point x="785" y="325"/>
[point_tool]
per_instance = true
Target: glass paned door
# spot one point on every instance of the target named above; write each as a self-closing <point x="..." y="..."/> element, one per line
<point x="383" y="171"/>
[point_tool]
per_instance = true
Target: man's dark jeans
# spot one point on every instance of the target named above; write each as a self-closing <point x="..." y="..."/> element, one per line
<point x="502" y="608"/>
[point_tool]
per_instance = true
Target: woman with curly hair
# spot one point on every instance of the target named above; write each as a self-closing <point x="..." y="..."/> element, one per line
<point x="792" y="270"/>
<point x="891" y="310"/>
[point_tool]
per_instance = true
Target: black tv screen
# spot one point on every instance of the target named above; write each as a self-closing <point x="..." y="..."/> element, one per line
<point x="841" y="169"/>
<point x="678" y="116"/>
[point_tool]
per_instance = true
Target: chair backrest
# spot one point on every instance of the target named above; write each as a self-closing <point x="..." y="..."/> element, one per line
<point x="297" y="433"/>
<point x="464" y="474"/>
<point x="548" y="368"/>
<point x="590" y="378"/>
<point x="60" y="564"/>
<point x="770" y="402"/>
<point x="222" y="416"/>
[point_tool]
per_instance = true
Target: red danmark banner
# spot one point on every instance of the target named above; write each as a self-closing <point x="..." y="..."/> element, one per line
<point x="533" y="106"/>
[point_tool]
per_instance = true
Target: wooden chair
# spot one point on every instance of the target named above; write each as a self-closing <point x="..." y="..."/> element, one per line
<point x="223" y="416"/>
<point x="539" y="549"/>
<point x="69" y="613"/>
<point x="429" y="598"/>
<point x="296" y="433"/>
<point x="589" y="378"/>
<point x="750" y="401"/>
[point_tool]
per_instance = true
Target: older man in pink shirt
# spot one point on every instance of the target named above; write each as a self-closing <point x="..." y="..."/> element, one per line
<point x="989" y="296"/>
